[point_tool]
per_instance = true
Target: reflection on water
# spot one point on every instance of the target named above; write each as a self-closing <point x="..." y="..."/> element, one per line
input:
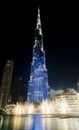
<point x="1" y="121"/>
<point x="38" y="122"/>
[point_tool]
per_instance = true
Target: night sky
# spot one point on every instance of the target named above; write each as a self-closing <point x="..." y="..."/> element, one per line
<point x="60" y="27"/>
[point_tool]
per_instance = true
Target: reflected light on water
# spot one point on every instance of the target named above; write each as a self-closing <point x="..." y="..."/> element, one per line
<point x="17" y="122"/>
<point x="68" y="124"/>
<point x="1" y="120"/>
<point x="47" y="123"/>
<point x="37" y="123"/>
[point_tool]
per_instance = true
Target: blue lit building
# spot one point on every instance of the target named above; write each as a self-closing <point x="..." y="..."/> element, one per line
<point x="38" y="88"/>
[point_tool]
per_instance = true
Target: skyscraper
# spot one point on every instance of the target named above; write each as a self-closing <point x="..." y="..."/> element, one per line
<point x="18" y="90"/>
<point x="6" y="83"/>
<point x="38" y="88"/>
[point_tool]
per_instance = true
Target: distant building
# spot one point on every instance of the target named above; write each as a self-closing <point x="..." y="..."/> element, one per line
<point x="78" y="86"/>
<point x="67" y="101"/>
<point x="58" y="92"/>
<point x="6" y="83"/>
<point x="52" y="94"/>
<point x="68" y="94"/>
<point x="78" y="83"/>
<point x="18" y="90"/>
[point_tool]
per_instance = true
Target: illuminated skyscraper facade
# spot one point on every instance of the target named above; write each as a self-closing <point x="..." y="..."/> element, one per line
<point x="38" y="88"/>
<point x="6" y="83"/>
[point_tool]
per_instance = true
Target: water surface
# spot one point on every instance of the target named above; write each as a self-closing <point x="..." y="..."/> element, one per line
<point x="38" y="122"/>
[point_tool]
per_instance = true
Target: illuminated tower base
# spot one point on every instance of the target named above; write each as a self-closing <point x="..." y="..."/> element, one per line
<point x="38" y="89"/>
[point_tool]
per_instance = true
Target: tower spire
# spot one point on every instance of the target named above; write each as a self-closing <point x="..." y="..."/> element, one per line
<point x="39" y="21"/>
<point x="38" y="18"/>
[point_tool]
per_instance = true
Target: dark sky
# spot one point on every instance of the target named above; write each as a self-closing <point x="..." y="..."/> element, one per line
<point x="60" y="27"/>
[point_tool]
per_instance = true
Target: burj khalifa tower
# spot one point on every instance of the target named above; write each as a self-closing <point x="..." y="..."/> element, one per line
<point x="38" y="88"/>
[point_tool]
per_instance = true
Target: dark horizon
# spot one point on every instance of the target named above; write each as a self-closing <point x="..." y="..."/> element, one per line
<point x="61" y="40"/>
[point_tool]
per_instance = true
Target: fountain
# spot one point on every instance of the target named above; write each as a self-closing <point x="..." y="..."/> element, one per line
<point x="59" y="107"/>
